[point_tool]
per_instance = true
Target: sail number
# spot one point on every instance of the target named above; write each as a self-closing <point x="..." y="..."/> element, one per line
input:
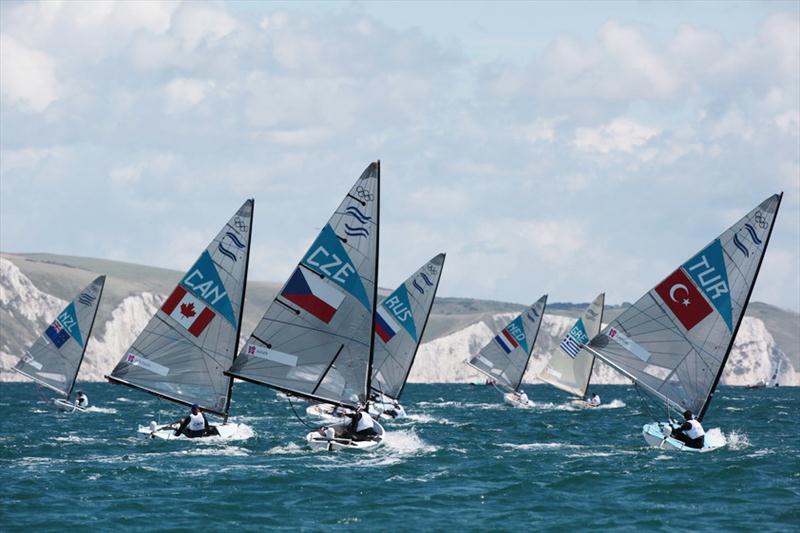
<point x="330" y="264"/>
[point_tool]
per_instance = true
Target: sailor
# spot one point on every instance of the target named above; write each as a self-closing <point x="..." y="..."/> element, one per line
<point x="522" y="397"/>
<point x="690" y="432"/>
<point x="362" y="426"/>
<point x="594" y="401"/>
<point x="195" y="425"/>
<point x="81" y="400"/>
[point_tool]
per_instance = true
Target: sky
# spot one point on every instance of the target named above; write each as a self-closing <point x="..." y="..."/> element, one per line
<point x="549" y="147"/>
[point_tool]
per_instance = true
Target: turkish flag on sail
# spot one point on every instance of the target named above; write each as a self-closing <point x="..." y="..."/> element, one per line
<point x="188" y="311"/>
<point x="683" y="299"/>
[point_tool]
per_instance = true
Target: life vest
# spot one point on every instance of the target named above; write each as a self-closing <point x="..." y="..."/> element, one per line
<point x="82" y="401"/>
<point x="697" y="430"/>
<point x="197" y="422"/>
<point x="364" y="421"/>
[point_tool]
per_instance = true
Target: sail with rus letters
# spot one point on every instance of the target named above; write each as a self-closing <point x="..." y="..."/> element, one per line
<point x="315" y="339"/>
<point x="55" y="358"/>
<point x="570" y="366"/>
<point x="506" y="357"/>
<point x="674" y="341"/>
<point x="399" y="325"/>
<point x="192" y="339"/>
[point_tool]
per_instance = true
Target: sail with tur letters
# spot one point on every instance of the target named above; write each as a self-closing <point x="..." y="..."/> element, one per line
<point x="674" y="341"/>
<point x="506" y="357"/>
<point x="570" y="366"/>
<point x="399" y="325"/>
<point x="315" y="339"/>
<point x="54" y="360"/>
<point x="192" y="339"/>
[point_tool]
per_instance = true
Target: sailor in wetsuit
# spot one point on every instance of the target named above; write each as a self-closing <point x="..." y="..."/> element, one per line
<point x="690" y="432"/>
<point x="195" y="425"/>
<point x="594" y="401"/>
<point x="81" y="400"/>
<point x="362" y="426"/>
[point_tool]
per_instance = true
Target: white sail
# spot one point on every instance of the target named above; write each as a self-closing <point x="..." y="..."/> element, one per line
<point x="675" y="339"/>
<point x="399" y="325"/>
<point x="570" y="366"/>
<point x="315" y="339"/>
<point x="55" y="358"/>
<point x="185" y="348"/>
<point x="506" y="357"/>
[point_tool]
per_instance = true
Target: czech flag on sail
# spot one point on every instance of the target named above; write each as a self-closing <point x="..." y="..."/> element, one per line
<point x="309" y="292"/>
<point x="506" y="341"/>
<point x="57" y="333"/>
<point x="188" y="311"/>
<point x="385" y="326"/>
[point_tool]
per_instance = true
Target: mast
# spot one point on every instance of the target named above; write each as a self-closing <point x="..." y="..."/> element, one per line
<point x="368" y="383"/>
<point x="241" y="309"/>
<point x="533" y="343"/>
<point x="88" y="336"/>
<point x="741" y="316"/>
<point x="591" y="367"/>
<point x="422" y="331"/>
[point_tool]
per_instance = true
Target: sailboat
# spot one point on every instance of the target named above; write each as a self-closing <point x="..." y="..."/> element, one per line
<point x="773" y="382"/>
<point x="54" y="359"/>
<point x="184" y="349"/>
<point x="674" y="341"/>
<point x="505" y="359"/>
<point x="315" y="339"/>
<point x="570" y="366"/>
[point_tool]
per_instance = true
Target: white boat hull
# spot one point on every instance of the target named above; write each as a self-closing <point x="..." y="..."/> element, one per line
<point x="656" y="435"/>
<point x="513" y="400"/>
<point x="319" y="441"/>
<point x="583" y="404"/>
<point x="227" y="431"/>
<point x="387" y="410"/>
<point x="324" y="412"/>
<point x="67" y="406"/>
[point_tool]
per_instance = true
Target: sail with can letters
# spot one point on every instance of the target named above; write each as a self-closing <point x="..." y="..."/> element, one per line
<point x="192" y="339"/>
<point x="399" y="325"/>
<point x="506" y="357"/>
<point x="315" y="339"/>
<point x="674" y="341"/>
<point x="570" y="366"/>
<point x="54" y="360"/>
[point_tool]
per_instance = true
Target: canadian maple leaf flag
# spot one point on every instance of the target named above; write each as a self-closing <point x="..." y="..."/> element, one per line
<point x="188" y="311"/>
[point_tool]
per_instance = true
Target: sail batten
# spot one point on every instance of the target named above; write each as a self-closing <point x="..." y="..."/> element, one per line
<point x="314" y="339"/>
<point x="676" y="338"/>
<point x="570" y="365"/>
<point x="506" y="357"/>
<point x="55" y="358"/>
<point x="185" y="347"/>
<point x="400" y="323"/>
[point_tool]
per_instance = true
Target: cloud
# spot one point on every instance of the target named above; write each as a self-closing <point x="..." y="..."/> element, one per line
<point x="619" y="134"/>
<point x="27" y="76"/>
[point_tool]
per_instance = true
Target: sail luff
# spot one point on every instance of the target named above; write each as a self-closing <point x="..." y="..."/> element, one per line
<point x="241" y="308"/>
<point x="530" y="352"/>
<point x="422" y="331"/>
<point x="88" y="336"/>
<point x="741" y="315"/>
<point x="368" y="380"/>
<point x="591" y="367"/>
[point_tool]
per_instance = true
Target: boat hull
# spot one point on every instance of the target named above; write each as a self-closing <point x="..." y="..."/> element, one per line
<point x="67" y="406"/>
<point x="656" y="436"/>
<point x="317" y="439"/>
<point x="513" y="400"/>
<point x="227" y="431"/>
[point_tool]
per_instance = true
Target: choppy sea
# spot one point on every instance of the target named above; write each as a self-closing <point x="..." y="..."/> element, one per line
<point x="462" y="461"/>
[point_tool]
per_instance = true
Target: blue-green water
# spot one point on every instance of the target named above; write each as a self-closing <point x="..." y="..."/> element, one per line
<point x="462" y="461"/>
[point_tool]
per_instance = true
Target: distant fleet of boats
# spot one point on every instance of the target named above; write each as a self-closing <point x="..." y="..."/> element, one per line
<point x="328" y="339"/>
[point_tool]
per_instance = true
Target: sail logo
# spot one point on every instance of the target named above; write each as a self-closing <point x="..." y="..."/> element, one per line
<point x="398" y="305"/>
<point x="708" y="271"/>
<point x="86" y="298"/>
<point x="313" y="295"/>
<point x="235" y="241"/>
<point x="147" y="364"/>
<point x="628" y="343"/>
<point x="328" y="258"/>
<point x="753" y="237"/>
<point x="683" y="299"/>
<point x="425" y="279"/>
<point x="575" y="339"/>
<point x="204" y="282"/>
<point x="512" y="337"/>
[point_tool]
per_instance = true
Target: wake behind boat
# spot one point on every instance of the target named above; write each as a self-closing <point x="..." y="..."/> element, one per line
<point x="674" y="341"/>
<point x="54" y="360"/>
<point x="184" y="349"/>
<point x="505" y="359"/>
<point x="315" y="340"/>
